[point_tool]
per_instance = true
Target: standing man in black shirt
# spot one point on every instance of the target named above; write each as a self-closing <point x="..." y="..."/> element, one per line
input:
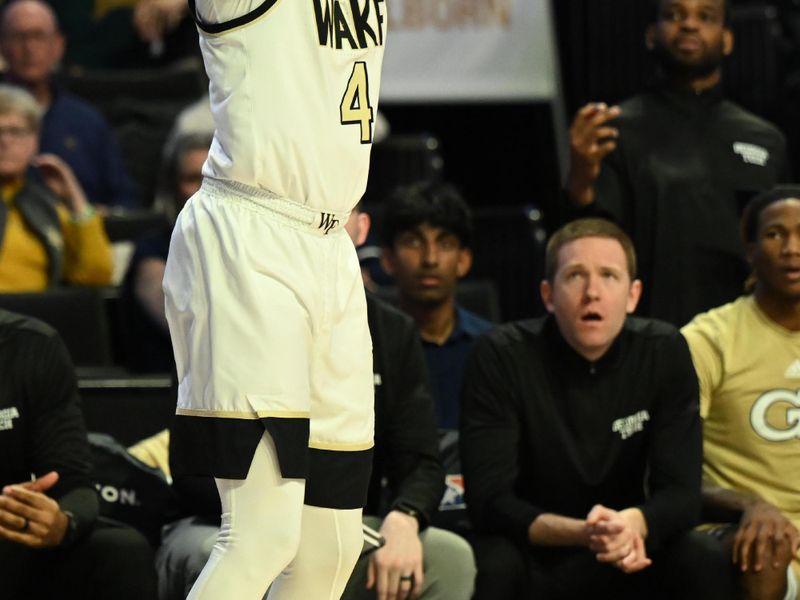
<point x="581" y="438"/>
<point x="673" y="164"/>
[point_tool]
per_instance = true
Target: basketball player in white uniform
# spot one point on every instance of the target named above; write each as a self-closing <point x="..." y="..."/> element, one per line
<point x="264" y="296"/>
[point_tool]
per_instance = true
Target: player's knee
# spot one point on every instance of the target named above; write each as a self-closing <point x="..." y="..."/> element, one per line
<point x="280" y="539"/>
<point x="258" y="535"/>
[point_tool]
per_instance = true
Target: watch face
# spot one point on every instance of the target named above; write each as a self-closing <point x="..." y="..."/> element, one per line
<point x="411" y="512"/>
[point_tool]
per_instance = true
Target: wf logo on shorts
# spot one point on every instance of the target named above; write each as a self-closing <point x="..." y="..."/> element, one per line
<point x="327" y="221"/>
<point x="775" y="416"/>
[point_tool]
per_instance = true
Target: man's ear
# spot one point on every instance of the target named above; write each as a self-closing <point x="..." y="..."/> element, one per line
<point x="387" y="260"/>
<point x="727" y="42"/>
<point x="546" y="292"/>
<point x="364" y="223"/>
<point x="633" y="295"/>
<point x="464" y="262"/>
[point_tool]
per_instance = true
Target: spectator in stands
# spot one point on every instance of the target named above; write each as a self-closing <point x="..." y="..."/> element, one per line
<point x="32" y="46"/>
<point x="154" y="19"/>
<point x="746" y="356"/>
<point x="426" y="236"/>
<point x="581" y="438"/>
<point x="125" y="34"/>
<point x="404" y="490"/>
<point x="427" y="229"/>
<point x="151" y="346"/>
<point x="671" y="164"/>
<point x="51" y="544"/>
<point x="50" y="233"/>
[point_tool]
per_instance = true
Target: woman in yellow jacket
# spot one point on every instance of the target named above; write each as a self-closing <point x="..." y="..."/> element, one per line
<point x="49" y="233"/>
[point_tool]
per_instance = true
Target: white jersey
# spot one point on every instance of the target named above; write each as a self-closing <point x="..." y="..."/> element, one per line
<point x="294" y="94"/>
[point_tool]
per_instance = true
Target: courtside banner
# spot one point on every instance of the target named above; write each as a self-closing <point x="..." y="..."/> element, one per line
<point x="463" y="50"/>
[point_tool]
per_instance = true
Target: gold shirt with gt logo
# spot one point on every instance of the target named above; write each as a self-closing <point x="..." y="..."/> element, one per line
<point x="748" y="368"/>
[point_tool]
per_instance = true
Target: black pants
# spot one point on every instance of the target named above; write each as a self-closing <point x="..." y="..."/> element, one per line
<point x="112" y="562"/>
<point x="502" y="569"/>
<point x="690" y="567"/>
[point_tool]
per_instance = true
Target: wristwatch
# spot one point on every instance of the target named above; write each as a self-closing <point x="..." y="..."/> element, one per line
<point x="409" y="510"/>
<point x="71" y="533"/>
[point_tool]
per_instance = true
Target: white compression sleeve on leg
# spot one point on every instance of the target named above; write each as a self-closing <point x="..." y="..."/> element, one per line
<point x="330" y="543"/>
<point x="260" y="531"/>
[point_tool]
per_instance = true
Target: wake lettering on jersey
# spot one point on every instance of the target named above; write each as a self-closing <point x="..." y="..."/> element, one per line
<point x="340" y="21"/>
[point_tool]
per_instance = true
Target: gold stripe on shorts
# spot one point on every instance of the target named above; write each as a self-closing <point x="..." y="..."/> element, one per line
<point x="248" y="415"/>
<point x="358" y="447"/>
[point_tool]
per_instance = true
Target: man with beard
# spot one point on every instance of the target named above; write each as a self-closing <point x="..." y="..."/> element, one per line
<point x="670" y="164"/>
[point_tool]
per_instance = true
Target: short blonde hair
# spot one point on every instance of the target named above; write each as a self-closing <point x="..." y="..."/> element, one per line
<point x="582" y="228"/>
<point x="18" y="101"/>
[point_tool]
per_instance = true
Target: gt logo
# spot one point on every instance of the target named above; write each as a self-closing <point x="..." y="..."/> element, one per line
<point x="758" y="415"/>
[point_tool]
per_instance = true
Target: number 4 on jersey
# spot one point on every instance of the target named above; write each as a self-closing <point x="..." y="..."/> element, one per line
<point x="355" y="108"/>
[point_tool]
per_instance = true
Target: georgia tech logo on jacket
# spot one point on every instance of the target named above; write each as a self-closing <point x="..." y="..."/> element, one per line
<point x="7" y="416"/>
<point x="627" y="426"/>
<point x="751" y="154"/>
<point x="777" y="402"/>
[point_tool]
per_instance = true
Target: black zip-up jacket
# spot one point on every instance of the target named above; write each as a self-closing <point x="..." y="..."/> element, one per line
<point x="546" y="431"/>
<point x="41" y="423"/>
<point x="684" y="167"/>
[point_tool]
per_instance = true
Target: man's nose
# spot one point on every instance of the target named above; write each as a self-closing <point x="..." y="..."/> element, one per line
<point x="792" y="245"/>
<point x="592" y="290"/>
<point x="430" y="254"/>
<point x="690" y="22"/>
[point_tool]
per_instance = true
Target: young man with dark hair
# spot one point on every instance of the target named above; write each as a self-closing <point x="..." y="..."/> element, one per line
<point x="426" y="235"/>
<point x="746" y="355"/>
<point x="427" y="230"/>
<point x="581" y="438"/>
<point x="670" y="164"/>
